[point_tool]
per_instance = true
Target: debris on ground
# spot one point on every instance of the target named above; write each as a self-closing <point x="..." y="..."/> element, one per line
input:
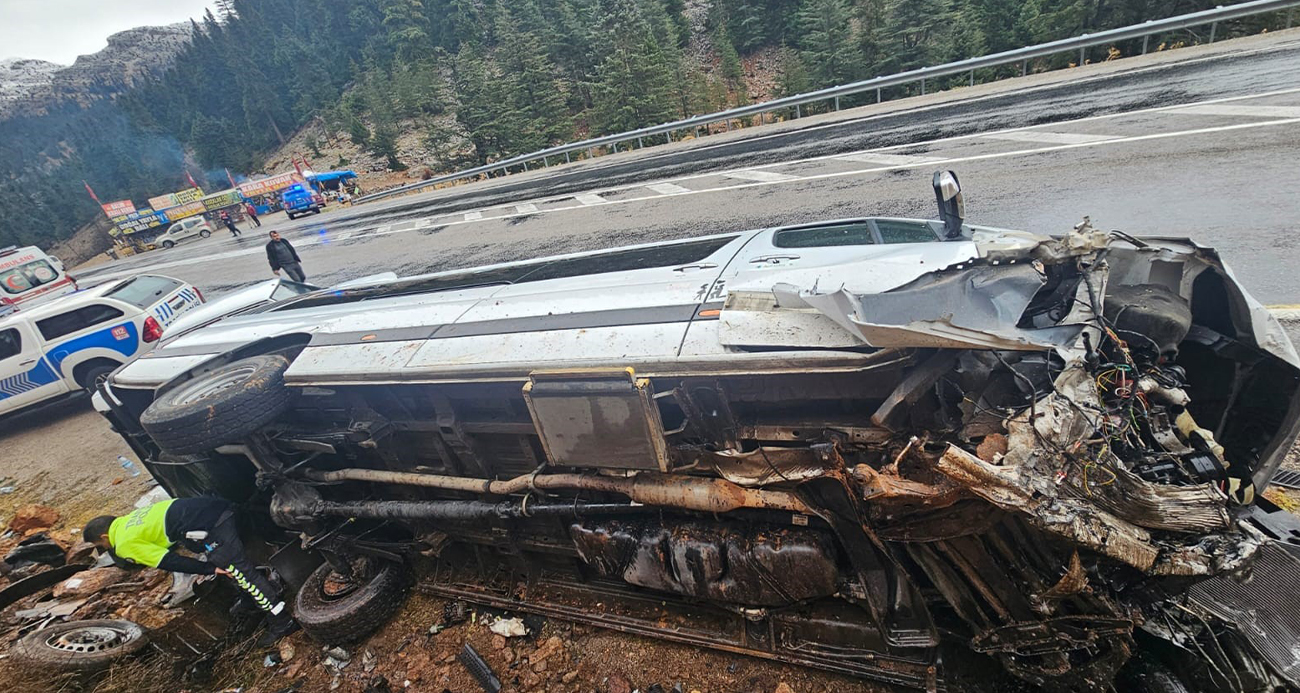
<point x="479" y="669"/>
<point x="509" y="627"/>
<point x="89" y="582"/>
<point x="33" y="518"/>
<point x="36" y="548"/>
<point x="153" y="495"/>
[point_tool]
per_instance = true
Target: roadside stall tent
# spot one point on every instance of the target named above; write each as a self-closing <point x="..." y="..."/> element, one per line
<point x="332" y="180"/>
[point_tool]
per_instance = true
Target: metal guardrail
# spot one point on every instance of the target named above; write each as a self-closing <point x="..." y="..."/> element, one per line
<point x="1020" y="55"/>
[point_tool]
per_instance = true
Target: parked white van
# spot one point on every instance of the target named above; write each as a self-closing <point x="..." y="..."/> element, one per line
<point x="71" y="344"/>
<point x="29" y="276"/>
<point x="193" y="227"/>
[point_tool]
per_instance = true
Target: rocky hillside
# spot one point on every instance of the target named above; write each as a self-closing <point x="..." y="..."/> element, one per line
<point x="21" y="78"/>
<point x="33" y="87"/>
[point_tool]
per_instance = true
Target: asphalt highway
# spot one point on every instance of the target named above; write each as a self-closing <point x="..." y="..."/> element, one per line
<point x="1199" y="142"/>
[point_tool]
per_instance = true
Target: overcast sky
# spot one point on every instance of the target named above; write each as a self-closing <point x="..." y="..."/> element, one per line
<point x="60" y="30"/>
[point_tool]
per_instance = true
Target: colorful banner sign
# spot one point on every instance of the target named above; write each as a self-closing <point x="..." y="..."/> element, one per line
<point x="140" y="222"/>
<point x="185" y="211"/>
<point x="120" y="208"/>
<point x="254" y="188"/>
<point x="224" y="198"/>
<point x="175" y="199"/>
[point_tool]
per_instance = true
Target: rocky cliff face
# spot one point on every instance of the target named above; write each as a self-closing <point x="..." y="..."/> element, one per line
<point x="31" y="87"/>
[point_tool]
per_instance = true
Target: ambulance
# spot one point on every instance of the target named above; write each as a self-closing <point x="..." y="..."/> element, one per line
<point x="28" y="276"/>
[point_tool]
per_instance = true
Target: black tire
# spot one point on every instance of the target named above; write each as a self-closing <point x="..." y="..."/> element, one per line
<point x="94" y="376"/>
<point x="220" y="407"/>
<point x="351" y="615"/>
<point x="80" y="645"/>
<point x="168" y="245"/>
<point x="204" y="233"/>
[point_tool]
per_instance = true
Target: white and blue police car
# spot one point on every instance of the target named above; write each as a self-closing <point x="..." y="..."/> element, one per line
<point x="71" y="344"/>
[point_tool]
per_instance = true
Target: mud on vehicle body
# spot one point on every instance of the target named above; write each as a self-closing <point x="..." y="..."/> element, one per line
<point x="975" y="444"/>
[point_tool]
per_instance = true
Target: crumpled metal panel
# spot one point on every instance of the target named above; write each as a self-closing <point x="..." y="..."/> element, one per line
<point x="976" y="307"/>
<point x="1262" y="606"/>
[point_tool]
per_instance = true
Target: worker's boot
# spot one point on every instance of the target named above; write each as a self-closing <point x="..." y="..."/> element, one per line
<point x="278" y="624"/>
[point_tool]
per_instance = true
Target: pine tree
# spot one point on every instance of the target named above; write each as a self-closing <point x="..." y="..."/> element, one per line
<point x="226" y="9"/>
<point x="633" y="87"/>
<point x="793" y="78"/>
<point x="728" y="59"/>
<point x="829" y="45"/>
<point x="358" y="132"/>
<point x="384" y="143"/>
<point x="407" y="28"/>
<point x="538" y="94"/>
<point x="916" y="32"/>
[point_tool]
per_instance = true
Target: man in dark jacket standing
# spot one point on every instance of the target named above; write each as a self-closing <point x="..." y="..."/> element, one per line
<point x="282" y="256"/>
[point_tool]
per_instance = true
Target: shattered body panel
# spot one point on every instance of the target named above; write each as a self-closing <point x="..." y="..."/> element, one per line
<point x="814" y="444"/>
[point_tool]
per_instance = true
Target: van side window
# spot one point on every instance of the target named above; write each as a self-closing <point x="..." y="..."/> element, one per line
<point x="851" y="233"/>
<point x="11" y="343"/>
<point x="76" y="320"/>
<point x="892" y="231"/>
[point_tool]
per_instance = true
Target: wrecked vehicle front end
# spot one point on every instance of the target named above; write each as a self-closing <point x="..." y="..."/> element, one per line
<point x="1048" y="453"/>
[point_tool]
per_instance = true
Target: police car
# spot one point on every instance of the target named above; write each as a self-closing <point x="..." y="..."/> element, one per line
<point x="71" y="344"/>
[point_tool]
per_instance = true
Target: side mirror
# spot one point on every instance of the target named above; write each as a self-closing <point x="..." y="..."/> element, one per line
<point x="952" y="208"/>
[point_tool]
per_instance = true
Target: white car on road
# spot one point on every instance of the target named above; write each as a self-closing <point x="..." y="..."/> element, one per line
<point x="72" y="343"/>
<point x="183" y="230"/>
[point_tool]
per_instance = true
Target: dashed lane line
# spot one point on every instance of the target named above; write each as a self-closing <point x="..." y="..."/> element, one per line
<point x="668" y="188"/>
<point x="526" y="208"/>
<point x="754" y="184"/>
<point x="1243" y="111"/>
<point x="590" y="199"/>
<point x="887" y="159"/>
<point x="760" y="176"/>
<point x="1047" y="137"/>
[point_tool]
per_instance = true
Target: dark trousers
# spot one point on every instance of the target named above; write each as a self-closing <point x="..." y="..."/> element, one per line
<point x="256" y="221"/>
<point x="294" y="270"/>
<point x="234" y="230"/>
<point x="226" y="551"/>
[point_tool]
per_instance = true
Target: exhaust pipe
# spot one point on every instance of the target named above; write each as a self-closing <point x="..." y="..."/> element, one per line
<point x="668" y="490"/>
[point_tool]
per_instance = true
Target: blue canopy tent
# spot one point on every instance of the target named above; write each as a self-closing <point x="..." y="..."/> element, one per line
<point x="331" y="180"/>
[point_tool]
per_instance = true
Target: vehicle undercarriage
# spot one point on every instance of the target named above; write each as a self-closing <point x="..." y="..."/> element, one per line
<point x="1052" y="462"/>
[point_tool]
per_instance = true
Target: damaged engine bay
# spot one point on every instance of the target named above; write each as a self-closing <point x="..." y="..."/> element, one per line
<point x="1048" y="456"/>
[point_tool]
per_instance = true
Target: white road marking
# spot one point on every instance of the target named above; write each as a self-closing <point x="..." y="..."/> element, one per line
<point x="1035" y="89"/>
<point x="887" y="159"/>
<point x="590" y="199"/>
<point x="668" y="188"/>
<point x="1247" y="111"/>
<point x="526" y="208"/>
<point x="381" y="231"/>
<point x="953" y="160"/>
<point x="761" y="176"/>
<point x="478" y="216"/>
<point x="934" y="142"/>
<point x="1046" y="137"/>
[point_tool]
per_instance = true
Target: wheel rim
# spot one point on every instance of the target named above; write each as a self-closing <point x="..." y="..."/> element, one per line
<point x="207" y="387"/>
<point x="90" y="639"/>
<point x="336" y="587"/>
<point x="99" y="379"/>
